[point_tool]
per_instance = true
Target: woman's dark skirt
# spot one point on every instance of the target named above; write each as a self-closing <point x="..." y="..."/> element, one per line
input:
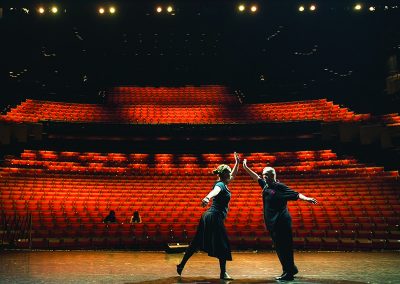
<point x="211" y="235"/>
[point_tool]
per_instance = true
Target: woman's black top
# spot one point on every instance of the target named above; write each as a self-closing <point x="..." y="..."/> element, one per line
<point x="221" y="201"/>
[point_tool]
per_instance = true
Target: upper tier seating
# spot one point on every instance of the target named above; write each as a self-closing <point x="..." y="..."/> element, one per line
<point x="321" y="110"/>
<point x="69" y="194"/>
<point x="189" y="95"/>
<point x="391" y="119"/>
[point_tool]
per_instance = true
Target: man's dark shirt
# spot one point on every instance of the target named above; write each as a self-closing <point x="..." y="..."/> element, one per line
<point x="275" y="197"/>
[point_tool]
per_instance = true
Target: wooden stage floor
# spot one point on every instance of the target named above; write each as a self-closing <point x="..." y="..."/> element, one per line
<point x="159" y="267"/>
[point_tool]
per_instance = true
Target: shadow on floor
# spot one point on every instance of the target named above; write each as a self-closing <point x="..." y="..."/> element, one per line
<point x="202" y="280"/>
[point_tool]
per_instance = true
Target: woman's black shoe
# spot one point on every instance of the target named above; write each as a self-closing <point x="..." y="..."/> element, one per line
<point x="283" y="273"/>
<point x="285" y="277"/>
<point x="293" y="272"/>
<point x="225" y="276"/>
<point x="179" y="269"/>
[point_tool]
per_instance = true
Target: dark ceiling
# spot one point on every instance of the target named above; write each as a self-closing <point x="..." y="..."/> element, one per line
<point x="277" y="53"/>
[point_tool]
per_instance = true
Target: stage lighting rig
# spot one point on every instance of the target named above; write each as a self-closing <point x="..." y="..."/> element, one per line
<point x="170" y="9"/>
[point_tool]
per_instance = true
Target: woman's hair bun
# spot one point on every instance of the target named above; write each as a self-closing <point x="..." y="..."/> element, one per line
<point x="221" y="168"/>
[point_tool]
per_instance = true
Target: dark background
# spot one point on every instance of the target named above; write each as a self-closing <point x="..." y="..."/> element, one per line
<point x="276" y="54"/>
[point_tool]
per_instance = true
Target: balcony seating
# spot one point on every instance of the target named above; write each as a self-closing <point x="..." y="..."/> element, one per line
<point x="391" y="119"/>
<point x="182" y="112"/>
<point x="190" y="95"/>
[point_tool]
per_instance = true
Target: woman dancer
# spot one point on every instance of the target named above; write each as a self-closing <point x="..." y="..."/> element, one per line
<point x="211" y="235"/>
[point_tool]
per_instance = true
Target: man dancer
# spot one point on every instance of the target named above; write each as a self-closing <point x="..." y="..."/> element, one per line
<point x="277" y="218"/>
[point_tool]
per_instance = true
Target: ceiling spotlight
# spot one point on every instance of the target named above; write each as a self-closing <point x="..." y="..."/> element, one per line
<point x="112" y="10"/>
<point x="241" y="8"/>
<point x="41" y="10"/>
<point x="358" y="7"/>
<point x="159" y="9"/>
<point x="301" y="9"/>
<point x="312" y="8"/>
<point x="372" y="8"/>
<point x="170" y="9"/>
<point x="54" y="10"/>
<point x="101" y="10"/>
<point x="254" y="8"/>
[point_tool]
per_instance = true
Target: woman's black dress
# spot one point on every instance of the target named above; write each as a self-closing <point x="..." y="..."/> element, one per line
<point x="211" y="235"/>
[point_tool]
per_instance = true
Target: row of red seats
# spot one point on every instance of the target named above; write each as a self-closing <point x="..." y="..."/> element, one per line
<point x="308" y="222"/>
<point x="317" y="182"/>
<point x="35" y="111"/>
<point x="299" y="156"/>
<point x="325" y="163"/>
<point x="148" y="91"/>
<point x="153" y="241"/>
<point x="391" y="119"/>
<point x="211" y="94"/>
<point x="180" y="229"/>
<point x="350" y="171"/>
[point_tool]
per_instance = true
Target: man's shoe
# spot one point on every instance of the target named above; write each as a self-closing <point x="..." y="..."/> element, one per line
<point x="295" y="270"/>
<point x="179" y="269"/>
<point x="225" y="276"/>
<point x="285" y="277"/>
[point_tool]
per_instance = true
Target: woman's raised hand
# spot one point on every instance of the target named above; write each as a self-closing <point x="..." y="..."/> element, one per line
<point x="237" y="158"/>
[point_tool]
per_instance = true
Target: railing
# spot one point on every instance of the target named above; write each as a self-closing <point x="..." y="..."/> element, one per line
<point x="14" y="229"/>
